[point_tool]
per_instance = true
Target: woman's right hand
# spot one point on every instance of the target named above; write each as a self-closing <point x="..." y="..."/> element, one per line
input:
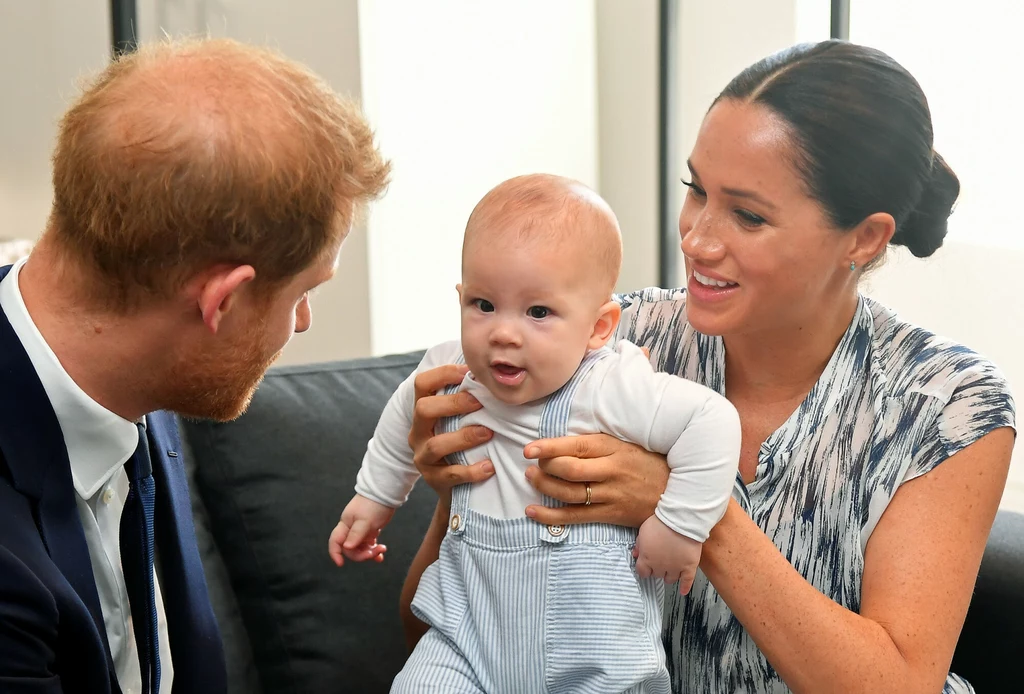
<point x="429" y="449"/>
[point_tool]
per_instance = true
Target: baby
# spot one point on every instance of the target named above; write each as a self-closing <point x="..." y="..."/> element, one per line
<point x="515" y="606"/>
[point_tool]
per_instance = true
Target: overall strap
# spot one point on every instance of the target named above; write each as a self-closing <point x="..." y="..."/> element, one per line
<point x="460" y="494"/>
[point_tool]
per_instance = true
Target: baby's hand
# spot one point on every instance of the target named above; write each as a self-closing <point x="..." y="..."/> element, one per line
<point x="355" y="536"/>
<point x="664" y="553"/>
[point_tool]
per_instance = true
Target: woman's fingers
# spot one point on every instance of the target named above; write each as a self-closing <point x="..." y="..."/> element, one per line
<point x="570" y="492"/>
<point x="573" y="514"/>
<point x="433" y="380"/>
<point x="433" y="451"/>
<point x="433" y="407"/>
<point x="578" y="470"/>
<point x="625" y="485"/>
<point x="453" y="475"/>
<point x="429" y="407"/>
<point x="588" y="446"/>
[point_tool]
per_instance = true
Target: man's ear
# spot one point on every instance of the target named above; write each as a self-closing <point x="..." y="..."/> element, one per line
<point x="604" y="327"/>
<point x="218" y="292"/>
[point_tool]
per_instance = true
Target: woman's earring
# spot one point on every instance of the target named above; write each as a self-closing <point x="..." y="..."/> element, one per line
<point x="853" y="266"/>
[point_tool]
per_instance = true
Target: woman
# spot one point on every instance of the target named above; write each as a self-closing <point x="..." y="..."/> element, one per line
<point x="874" y="453"/>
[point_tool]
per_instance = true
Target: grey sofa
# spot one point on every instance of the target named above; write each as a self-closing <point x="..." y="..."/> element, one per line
<point x="268" y="488"/>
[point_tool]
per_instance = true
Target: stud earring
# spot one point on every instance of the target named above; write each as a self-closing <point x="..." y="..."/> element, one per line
<point x="853" y="266"/>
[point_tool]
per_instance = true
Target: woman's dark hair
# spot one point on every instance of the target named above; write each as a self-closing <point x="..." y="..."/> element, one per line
<point x="863" y="133"/>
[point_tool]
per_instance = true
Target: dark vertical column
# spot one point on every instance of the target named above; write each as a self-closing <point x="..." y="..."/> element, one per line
<point x="840" y="20"/>
<point x="123" y="23"/>
<point x="668" y="142"/>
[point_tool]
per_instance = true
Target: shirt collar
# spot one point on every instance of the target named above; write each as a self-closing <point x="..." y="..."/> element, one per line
<point x="97" y="440"/>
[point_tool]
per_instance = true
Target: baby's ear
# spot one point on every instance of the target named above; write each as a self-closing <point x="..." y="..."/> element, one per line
<point x="604" y="327"/>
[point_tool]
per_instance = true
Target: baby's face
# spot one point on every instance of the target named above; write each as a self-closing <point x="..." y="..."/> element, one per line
<point x="528" y="312"/>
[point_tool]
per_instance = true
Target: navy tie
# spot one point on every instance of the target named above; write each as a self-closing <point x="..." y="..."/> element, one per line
<point x="137" y="551"/>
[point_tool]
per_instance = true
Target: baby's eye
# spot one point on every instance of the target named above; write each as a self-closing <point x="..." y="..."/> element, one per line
<point x="484" y="305"/>
<point x="539" y="312"/>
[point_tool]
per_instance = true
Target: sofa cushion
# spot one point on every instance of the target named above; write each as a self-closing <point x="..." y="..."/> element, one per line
<point x="240" y="665"/>
<point x="989" y="650"/>
<point x="274" y="483"/>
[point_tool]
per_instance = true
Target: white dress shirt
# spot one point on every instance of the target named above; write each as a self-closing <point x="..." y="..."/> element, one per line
<point x="99" y="443"/>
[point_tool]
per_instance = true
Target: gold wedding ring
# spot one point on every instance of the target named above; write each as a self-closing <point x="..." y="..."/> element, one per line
<point x="587" y="502"/>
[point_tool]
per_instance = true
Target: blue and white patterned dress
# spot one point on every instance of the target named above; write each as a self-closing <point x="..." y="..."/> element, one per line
<point x="893" y="402"/>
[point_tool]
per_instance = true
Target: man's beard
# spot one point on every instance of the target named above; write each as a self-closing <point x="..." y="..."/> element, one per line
<point x="219" y="387"/>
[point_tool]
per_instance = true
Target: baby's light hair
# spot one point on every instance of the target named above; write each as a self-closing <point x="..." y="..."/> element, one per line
<point x="551" y="209"/>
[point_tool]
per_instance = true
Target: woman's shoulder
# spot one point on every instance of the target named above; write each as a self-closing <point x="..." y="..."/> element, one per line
<point x="914" y="360"/>
<point x="948" y="395"/>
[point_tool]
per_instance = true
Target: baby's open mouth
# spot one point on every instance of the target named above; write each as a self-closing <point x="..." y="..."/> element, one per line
<point x="508" y="374"/>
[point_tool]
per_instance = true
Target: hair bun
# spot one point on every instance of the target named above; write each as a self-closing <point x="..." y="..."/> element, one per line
<point x="924" y="229"/>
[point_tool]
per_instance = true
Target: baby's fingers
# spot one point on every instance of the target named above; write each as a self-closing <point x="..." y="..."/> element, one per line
<point x="366" y="552"/>
<point x="357" y="535"/>
<point x="686" y="578"/>
<point x="643" y="568"/>
<point x="334" y="544"/>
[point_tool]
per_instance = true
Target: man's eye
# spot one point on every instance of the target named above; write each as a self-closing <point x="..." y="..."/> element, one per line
<point x="539" y="312"/>
<point x="484" y="305"/>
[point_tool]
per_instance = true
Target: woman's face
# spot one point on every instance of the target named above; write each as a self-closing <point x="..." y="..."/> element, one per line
<point x="760" y="253"/>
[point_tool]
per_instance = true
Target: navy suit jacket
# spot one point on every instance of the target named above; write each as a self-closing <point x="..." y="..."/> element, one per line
<point x="52" y="637"/>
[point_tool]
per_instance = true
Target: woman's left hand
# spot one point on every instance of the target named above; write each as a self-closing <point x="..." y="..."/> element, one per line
<point x="625" y="480"/>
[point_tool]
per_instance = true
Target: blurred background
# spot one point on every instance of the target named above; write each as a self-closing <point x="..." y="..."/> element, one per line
<point x="465" y="93"/>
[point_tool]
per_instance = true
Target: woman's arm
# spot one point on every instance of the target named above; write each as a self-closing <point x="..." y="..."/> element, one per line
<point x="427" y="555"/>
<point x="920" y="566"/>
<point x="919" y="571"/>
<point x="429" y="453"/>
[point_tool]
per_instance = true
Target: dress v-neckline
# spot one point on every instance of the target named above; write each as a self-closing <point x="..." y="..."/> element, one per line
<point x="841" y="371"/>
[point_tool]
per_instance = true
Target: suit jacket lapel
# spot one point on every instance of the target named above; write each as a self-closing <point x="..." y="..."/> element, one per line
<point x="196" y="645"/>
<point x="33" y="444"/>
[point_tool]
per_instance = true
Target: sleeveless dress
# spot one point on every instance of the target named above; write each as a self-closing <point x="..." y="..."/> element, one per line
<point x="893" y="402"/>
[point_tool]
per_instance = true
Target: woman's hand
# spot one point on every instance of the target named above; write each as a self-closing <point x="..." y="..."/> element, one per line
<point x="429" y="450"/>
<point x="626" y="481"/>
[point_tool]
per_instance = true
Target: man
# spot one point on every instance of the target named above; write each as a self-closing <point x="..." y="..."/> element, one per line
<point x="201" y="190"/>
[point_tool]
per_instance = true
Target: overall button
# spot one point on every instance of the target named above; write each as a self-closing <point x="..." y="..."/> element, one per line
<point x="556" y="530"/>
<point x="456" y="521"/>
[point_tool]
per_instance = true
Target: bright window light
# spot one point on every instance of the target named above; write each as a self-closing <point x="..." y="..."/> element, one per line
<point x="967" y="57"/>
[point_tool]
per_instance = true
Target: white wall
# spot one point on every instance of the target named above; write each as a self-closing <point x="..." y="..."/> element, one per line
<point x="45" y="46"/>
<point x="627" y="114"/>
<point x="464" y="95"/>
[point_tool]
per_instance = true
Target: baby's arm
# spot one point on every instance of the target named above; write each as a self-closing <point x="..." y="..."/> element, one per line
<point x="356" y="533"/>
<point x="388" y="473"/>
<point x="699" y="432"/>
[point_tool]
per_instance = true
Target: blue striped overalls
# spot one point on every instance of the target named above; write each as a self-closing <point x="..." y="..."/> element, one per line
<point x="517" y="607"/>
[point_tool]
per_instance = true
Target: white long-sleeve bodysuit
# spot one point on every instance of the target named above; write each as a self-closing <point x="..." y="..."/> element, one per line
<point x="515" y="606"/>
<point x="620" y="395"/>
